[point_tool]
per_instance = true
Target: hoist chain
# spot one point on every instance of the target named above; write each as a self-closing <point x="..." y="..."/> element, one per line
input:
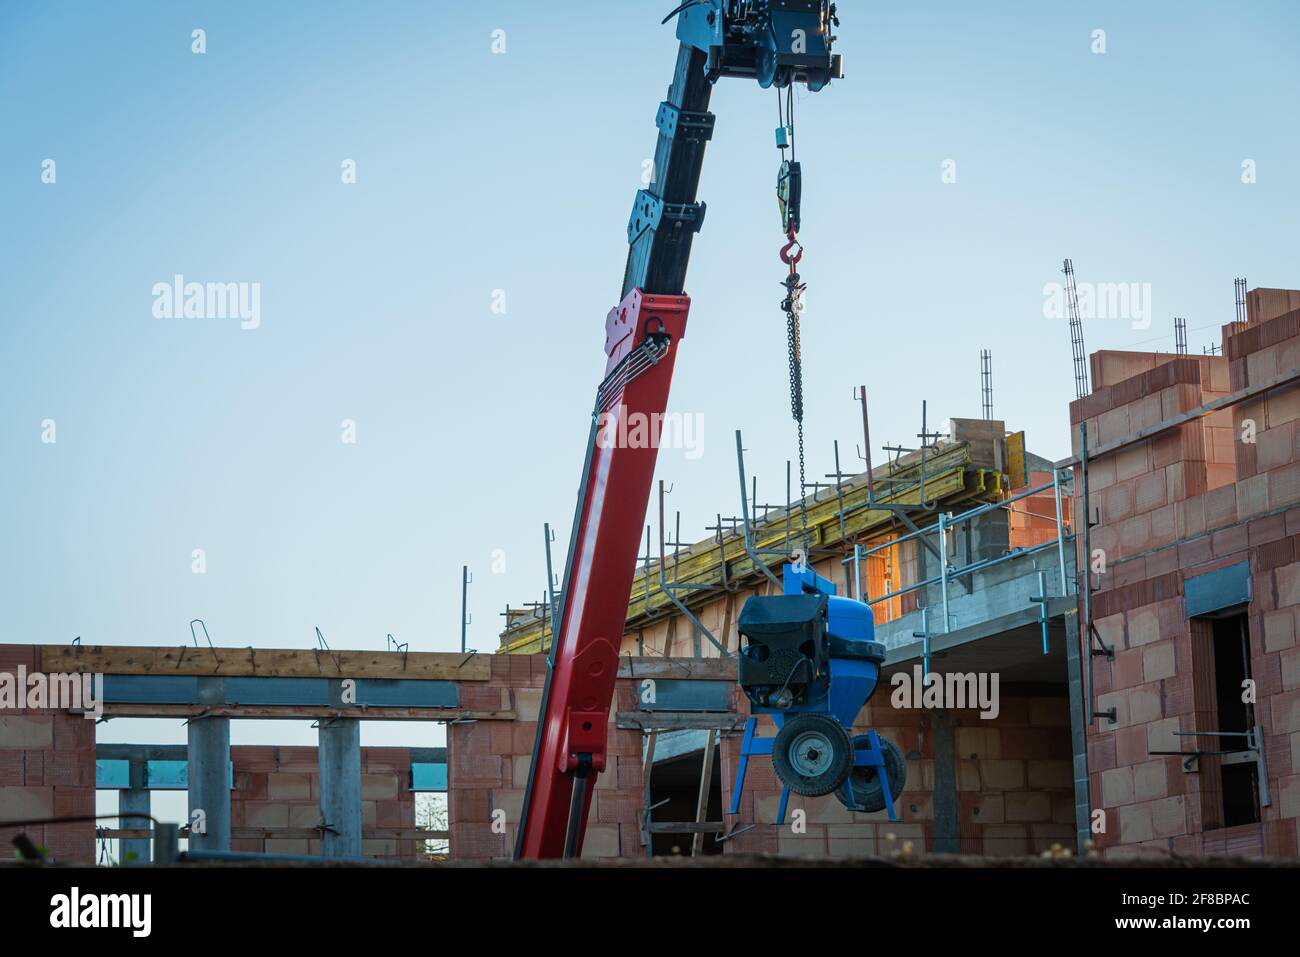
<point x="792" y="305"/>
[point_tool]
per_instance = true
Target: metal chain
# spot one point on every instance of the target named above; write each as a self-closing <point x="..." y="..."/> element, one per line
<point x="791" y="253"/>
<point x="793" y="305"/>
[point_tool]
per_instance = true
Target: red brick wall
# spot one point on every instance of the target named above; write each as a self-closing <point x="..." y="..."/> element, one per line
<point x="47" y="769"/>
<point x="1194" y="499"/>
<point x="280" y="787"/>
<point x="488" y="764"/>
<point x="1032" y="520"/>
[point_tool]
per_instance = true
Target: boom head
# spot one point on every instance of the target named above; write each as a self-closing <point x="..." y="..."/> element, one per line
<point x="777" y="42"/>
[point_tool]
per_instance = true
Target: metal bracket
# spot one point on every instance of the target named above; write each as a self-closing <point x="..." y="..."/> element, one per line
<point x="721" y="838"/>
<point x="693" y="126"/>
<point x="1041" y="599"/>
<point x="1254" y="745"/>
<point x="1105" y="651"/>
<point x="924" y="635"/>
<point x="649" y="212"/>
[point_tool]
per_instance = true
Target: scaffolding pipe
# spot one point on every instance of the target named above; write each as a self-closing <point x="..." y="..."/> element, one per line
<point x="744" y="510"/>
<point x="1084" y="597"/>
<point x="668" y="589"/>
<point x="464" y="606"/>
<point x="957" y="519"/>
<point x="866" y="446"/>
<point x="549" y="537"/>
<point x="1060" y="529"/>
<point x="965" y="570"/>
<point x="943" y="570"/>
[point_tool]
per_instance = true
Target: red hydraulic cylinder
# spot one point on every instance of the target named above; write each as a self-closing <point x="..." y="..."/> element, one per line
<point x="642" y="335"/>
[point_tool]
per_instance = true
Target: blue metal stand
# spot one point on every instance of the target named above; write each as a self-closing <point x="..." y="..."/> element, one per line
<point x="872" y="756"/>
<point x="853" y="679"/>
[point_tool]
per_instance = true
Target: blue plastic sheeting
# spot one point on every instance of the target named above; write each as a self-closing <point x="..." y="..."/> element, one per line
<point x="428" y="777"/>
<point x="115" y="775"/>
<point x="1216" y="590"/>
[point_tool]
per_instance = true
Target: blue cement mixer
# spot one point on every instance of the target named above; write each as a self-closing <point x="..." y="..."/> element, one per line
<point x="809" y="659"/>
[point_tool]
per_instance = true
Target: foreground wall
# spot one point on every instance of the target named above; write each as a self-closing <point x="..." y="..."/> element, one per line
<point x="279" y="787"/>
<point x="488" y="762"/>
<point x="1210" y="494"/>
<point x="47" y="769"/>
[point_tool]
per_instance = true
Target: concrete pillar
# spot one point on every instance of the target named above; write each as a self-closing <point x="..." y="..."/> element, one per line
<point x="947" y="830"/>
<point x="209" y="770"/>
<point x="340" y="787"/>
<point x="1077" y="661"/>
<point x="135" y="800"/>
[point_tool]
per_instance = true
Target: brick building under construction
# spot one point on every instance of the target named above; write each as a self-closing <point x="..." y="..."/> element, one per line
<point x="1154" y="712"/>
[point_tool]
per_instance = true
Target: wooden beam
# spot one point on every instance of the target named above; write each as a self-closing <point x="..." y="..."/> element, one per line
<point x="702" y="806"/>
<point x="264" y="662"/>
<point x="301" y="711"/>
<point x="647" y="766"/>
<point x="715" y="669"/>
<point x="679" y="721"/>
<point x="686" y="827"/>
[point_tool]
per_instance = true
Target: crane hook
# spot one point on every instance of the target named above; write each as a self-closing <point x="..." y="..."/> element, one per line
<point x="792" y="251"/>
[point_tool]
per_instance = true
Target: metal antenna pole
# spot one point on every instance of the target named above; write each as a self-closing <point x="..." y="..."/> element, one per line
<point x="986" y="382"/>
<point x="1076" y="333"/>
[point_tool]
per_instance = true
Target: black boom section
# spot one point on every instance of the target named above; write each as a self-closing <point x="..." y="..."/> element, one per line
<point x="665" y="215"/>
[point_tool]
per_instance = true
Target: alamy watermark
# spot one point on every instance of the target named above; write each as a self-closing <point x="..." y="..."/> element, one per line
<point x="953" y="690"/>
<point x="179" y="299"/>
<point x="77" y="910"/>
<point x="621" y="429"/>
<point x="1128" y="301"/>
<point x="59" y="691"/>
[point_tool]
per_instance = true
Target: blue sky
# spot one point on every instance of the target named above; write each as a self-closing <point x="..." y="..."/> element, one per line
<point x="479" y="171"/>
